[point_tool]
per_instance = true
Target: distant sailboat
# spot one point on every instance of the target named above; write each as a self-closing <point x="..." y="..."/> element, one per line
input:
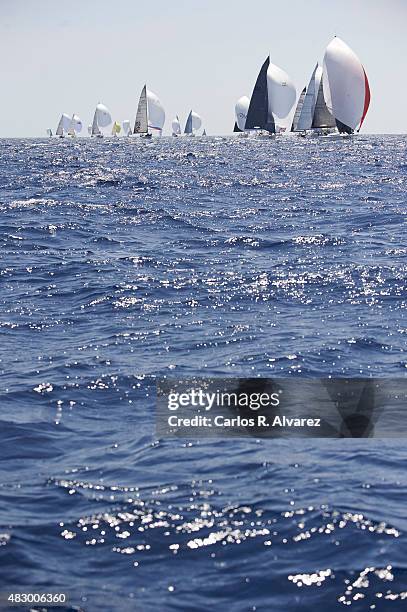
<point x="75" y="126"/>
<point x="204" y="133"/>
<point x="273" y="97"/>
<point x="101" y="119"/>
<point x="312" y="114"/>
<point x="150" y="116"/>
<point x="63" y="125"/>
<point x="241" y="109"/>
<point x="193" y="123"/>
<point x="49" y="132"/>
<point x="345" y="86"/>
<point x="176" y="127"/>
<point x="126" y="127"/>
<point x="116" y="128"/>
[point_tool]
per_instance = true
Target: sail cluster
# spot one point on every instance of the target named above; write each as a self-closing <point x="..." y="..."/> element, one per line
<point x="272" y="99"/>
<point x="336" y="99"/>
<point x="337" y="96"/>
<point x="150" y="119"/>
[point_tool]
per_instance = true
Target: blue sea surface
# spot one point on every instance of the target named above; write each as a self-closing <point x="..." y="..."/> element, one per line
<point x="124" y="260"/>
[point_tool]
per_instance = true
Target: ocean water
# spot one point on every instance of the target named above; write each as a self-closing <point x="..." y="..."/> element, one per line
<point x="126" y="260"/>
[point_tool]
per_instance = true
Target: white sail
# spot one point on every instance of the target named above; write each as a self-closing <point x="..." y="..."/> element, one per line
<point x="101" y="119"/>
<point x="241" y="108"/>
<point x="321" y="117"/>
<point x="155" y="113"/>
<point x="176" y="126"/>
<point x="126" y="127"/>
<point x="281" y="91"/>
<point x="63" y="125"/>
<point x="95" y="130"/>
<point x="75" y="125"/>
<point x="307" y="111"/>
<point x="193" y="123"/>
<point x="141" y="123"/>
<point x="345" y="85"/>
<point x="298" y="110"/>
<point x="104" y="118"/>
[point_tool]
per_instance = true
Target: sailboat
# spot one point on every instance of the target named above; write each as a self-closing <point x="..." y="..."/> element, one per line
<point x="150" y="116"/>
<point x="49" y="132"/>
<point x="176" y="127"/>
<point x="298" y="110"/>
<point x="241" y="108"/>
<point x="312" y="115"/>
<point x="75" y="126"/>
<point x="273" y="97"/>
<point x="126" y="127"/>
<point x="193" y="123"/>
<point x="63" y="125"/>
<point x="101" y="119"/>
<point x="345" y="86"/>
<point x="116" y="128"/>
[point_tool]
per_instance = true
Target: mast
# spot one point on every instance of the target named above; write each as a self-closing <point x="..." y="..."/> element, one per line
<point x="258" y="116"/>
<point x="141" y="123"/>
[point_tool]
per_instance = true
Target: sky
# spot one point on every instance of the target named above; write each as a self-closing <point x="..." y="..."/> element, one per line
<point x="203" y="54"/>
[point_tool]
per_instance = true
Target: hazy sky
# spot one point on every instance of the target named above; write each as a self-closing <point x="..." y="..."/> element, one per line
<point x="204" y="54"/>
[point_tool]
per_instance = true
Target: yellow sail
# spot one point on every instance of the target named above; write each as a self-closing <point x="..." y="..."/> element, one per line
<point x="116" y="129"/>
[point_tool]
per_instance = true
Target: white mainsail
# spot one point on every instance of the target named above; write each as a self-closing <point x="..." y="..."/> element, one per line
<point x="314" y="114"/>
<point x="307" y="111"/>
<point x="95" y="130"/>
<point x="126" y="127"/>
<point x="155" y="113"/>
<point x="150" y="114"/>
<point x="176" y="126"/>
<point x="321" y="117"/>
<point x="281" y="92"/>
<point x="241" y="109"/>
<point x="345" y="86"/>
<point x="101" y="119"/>
<point x="298" y="110"/>
<point x="141" y="123"/>
<point x="63" y="125"/>
<point x="193" y="123"/>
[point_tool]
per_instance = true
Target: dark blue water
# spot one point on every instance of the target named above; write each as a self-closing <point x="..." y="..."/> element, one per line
<point x="121" y="261"/>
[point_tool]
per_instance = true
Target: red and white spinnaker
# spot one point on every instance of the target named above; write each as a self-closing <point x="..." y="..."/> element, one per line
<point x="346" y="87"/>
